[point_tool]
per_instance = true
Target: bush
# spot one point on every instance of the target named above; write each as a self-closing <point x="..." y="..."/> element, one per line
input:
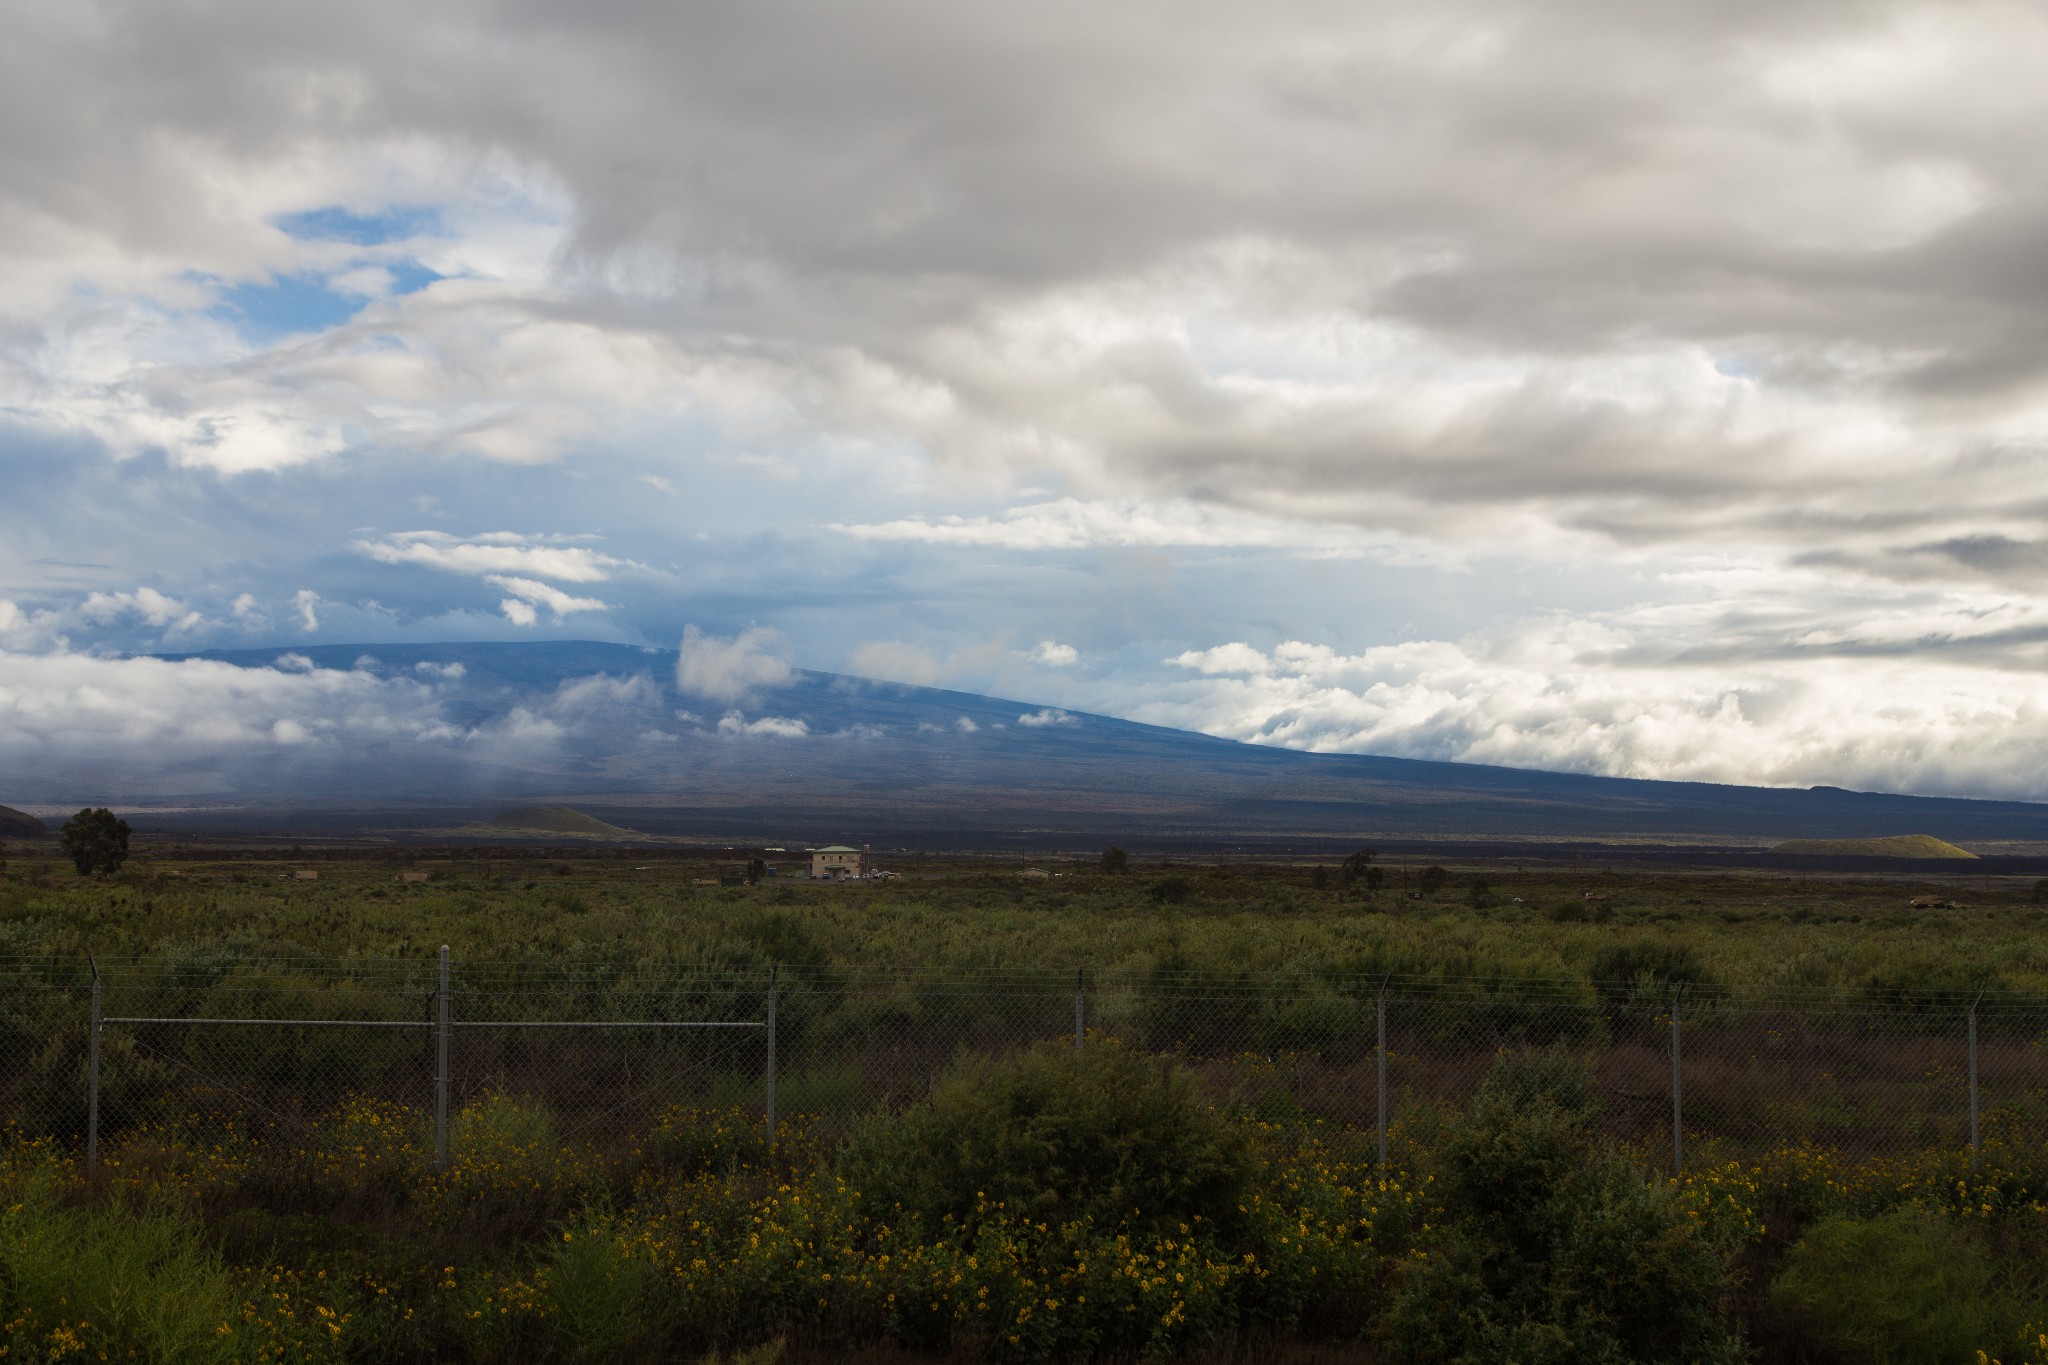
<point x="1554" y="1249"/>
<point x="1553" y="1076"/>
<point x="1907" y="1286"/>
<point x="121" y="1284"/>
<point x="1055" y="1135"/>
<point x="1635" y="981"/>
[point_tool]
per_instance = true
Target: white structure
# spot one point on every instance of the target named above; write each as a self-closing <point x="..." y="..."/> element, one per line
<point x="837" y="862"/>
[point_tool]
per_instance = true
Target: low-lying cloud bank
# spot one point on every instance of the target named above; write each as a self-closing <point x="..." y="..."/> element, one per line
<point x="1576" y="696"/>
<point x="73" y="725"/>
<point x="1580" y="697"/>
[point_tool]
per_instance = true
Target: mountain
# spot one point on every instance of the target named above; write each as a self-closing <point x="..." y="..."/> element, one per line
<point x="15" y="825"/>
<point x="1895" y="846"/>
<point x="531" y="820"/>
<point x="833" y="758"/>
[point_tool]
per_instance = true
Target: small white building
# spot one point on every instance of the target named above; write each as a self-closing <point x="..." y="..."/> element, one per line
<point x="837" y="862"/>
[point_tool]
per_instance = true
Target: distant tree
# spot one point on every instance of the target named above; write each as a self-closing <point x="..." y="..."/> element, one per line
<point x="1320" y="878"/>
<point x="756" y="870"/>
<point x="2041" y="891"/>
<point x="96" y="841"/>
<point x="1480" y="893"/>
<point x="1355" y="867"/>
<point x="1115" y="859"/>
<point x="1374" y="878"/>
<point x="1432" y="879"/>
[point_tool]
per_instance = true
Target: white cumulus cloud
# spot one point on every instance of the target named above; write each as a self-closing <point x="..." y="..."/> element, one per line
<point x="727" y="669"/>
<point x="735" y="725"/>
<point x="1053" y="654"/>
<point x="497" y="552"/>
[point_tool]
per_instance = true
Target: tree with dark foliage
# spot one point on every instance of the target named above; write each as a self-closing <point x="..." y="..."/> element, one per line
<point x="1114" y="859"/>
<point x="1432" y="879"/>
<point x="1357" y="868"/>
<point x="96" y="841"/>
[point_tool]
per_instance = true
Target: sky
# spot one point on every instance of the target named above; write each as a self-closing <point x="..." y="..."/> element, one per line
<point x="1653" y="390"/>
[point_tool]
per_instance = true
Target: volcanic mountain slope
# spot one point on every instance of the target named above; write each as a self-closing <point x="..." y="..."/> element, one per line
<point x="532" y="820"/>
<point x="15" y="825"/>
<point x="604" y="727"/>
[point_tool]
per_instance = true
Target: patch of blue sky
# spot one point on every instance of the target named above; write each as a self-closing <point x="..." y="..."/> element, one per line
<point x="285" y="305"/>
<point x="410" y="276"/>
<point x="337" y="224"/>
<point x="295" y="304"/>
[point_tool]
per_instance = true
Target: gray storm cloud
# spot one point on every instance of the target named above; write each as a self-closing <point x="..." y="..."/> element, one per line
<point x="1643" y="273"/>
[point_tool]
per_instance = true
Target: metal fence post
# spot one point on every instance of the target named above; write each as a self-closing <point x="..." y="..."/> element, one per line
<point x="92" y="1079"/>
<point x="1677" y="1096"/>
<point x="441" y="1032"/>
<point x="1381" y="1060"/>
<point x="1080" y="1005"/>
<point x="1973" y="1073"/>
<point x="768" y="1100"/>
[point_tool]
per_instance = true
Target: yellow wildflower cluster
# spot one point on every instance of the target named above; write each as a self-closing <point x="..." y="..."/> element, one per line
<point x="707" y="1229"/>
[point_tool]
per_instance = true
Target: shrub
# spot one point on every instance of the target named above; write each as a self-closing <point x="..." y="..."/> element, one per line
<point x="1906" y="1286"/>
<point x="1055" y="1135"/>
<point x="1553" y="1076"/>
<point x="1554" y="1249"/>
<point x="116" y="1283"/>
<point x="1635" y="981"/>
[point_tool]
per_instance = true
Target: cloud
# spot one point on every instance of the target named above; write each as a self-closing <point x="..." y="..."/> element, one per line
<point x="1617" y="292"/>
<point x="1585" y="696"/>
<point x="895" y="661"/>
<point x="151" y="606"/>
<point x="75" y="715"/>
<point x="527" y="593"/>
<point x="734" y="725"/>
<point x="1797" y="284"/>
<point x="1044" y="716"/>
<point x="1073" y="524"/>
<point x="494" y="554"/>
<point x="1053" y="654"/>
<point x="965" y="725"/>
<point x="27" y="630"/>
<point x="723" y="669"/>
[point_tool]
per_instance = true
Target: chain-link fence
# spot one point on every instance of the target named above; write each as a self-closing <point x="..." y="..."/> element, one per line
<point x="605" y="1049"/>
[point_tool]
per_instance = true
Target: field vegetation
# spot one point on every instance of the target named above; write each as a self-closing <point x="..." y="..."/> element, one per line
<point x="1744" y="932"/>
<point x="1051" y="1204"/>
